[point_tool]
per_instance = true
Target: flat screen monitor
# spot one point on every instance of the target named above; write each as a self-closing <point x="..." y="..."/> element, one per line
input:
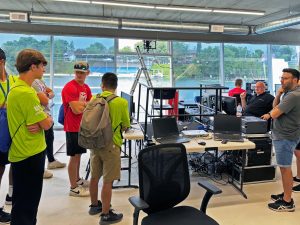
<point x="129" y="99"/>
<point x="229" y="105"/>
<point x="277" y="86"/>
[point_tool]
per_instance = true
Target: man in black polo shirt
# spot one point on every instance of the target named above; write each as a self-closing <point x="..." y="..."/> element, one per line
<point x="259" y="104"/>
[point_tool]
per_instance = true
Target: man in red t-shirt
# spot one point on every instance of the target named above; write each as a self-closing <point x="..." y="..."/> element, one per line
<point x="238" y="88"/>
<point x="75" y="96"/>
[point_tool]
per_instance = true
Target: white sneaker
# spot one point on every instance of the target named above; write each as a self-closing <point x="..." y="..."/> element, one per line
<point x="47" y="174"/>
<point x="79" y="191"/>
<point x="82" y="182"/>
<point x="55" y="164"/>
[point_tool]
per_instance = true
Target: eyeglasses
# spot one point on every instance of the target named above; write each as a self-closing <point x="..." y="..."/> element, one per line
<point x="285" y="78"/>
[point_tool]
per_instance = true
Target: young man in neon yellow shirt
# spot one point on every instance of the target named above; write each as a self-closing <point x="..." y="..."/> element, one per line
<point x="106" y="162"/>
<point x="27" y="122"/>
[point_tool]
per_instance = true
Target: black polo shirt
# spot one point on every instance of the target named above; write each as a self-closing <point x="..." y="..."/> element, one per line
<point x="259" y="105"/>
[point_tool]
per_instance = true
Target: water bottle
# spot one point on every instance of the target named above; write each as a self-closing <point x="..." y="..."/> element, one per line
<point x="239" y="110"/>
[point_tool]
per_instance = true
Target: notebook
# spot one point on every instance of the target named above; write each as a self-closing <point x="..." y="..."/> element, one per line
<point x="165" y="131"/>
<point x="227" y="127"/>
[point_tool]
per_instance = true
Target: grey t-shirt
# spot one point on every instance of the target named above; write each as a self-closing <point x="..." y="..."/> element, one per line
<point x="40" y="86"/>
<point x="287" y="126"/>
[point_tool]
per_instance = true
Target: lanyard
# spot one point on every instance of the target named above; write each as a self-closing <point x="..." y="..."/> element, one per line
<point x="2" y="89"/>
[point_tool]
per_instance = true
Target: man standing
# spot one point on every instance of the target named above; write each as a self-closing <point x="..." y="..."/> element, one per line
<point x="27" y="122"/>
<point x="238" y="88"/>
<point x="75" y="96"/>
<point x="260" y="103"/>
<point x="45" y="94"/>
<point x="106" y="162"/>
<point x="285" y="135"/>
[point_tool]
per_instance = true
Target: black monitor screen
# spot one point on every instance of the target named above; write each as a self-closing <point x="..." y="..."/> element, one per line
<point x="129" y="99"/>
<point x="229" y="105"/>
<point x="164" y="127"/>
<point x="227" y="124"/>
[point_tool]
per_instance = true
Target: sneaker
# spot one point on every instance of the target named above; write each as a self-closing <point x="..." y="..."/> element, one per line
<point x="83" y="183"/>
<point x="282" y="206"/>
<point x="95" y="209"/>
<point x="110" y="218"/>
<point x="277" y="197"/>
<point x="4" y="217"/>
<point x="55" y="164"/>
<point x="296" y="179"/>
<point x="79" y="191"/>
<point x="47" y="174"/>
<point x="8" y="200"/>
<point x="296" y="188"/>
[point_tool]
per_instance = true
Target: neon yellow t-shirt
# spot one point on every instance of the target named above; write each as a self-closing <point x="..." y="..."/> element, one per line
<point x="24" y="108"/>
<point x="119" y="115"/>
<point x="12" y="80"/>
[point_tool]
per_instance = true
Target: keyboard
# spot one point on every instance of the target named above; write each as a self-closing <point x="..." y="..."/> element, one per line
<point x="170" y="140"/>
<point x="229" y="137"/>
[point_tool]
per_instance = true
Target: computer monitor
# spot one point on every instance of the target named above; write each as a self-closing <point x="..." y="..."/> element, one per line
<point x="129" y="99"/>
<point x="229" y="105"/>
<point x="277" y="86"/>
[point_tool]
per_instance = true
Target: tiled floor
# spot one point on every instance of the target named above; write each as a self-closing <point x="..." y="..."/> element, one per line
<point x="228" y="208"/>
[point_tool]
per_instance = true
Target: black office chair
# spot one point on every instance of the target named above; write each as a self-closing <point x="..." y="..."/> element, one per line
<point x="163" y="183"/>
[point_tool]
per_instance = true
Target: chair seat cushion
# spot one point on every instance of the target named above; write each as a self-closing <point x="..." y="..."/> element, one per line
<point x="179" y="215"/>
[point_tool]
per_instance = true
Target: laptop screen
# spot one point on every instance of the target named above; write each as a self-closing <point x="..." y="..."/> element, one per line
<point x="164" y="127"/>
<point x="227" y="124"/>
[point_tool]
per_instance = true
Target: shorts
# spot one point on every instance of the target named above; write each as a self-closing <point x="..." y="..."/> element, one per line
<point x="4" y="158"/>
<point x="106" y="162"/>
<point x="298" y="147"/>
<point x="284" y="150"/>
<point x="72" y="144"/>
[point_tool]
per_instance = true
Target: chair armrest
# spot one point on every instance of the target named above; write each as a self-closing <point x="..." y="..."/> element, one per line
<point x="209" y="187"/>
<point x="210" y="190"/>
<point x="138" y="203"/>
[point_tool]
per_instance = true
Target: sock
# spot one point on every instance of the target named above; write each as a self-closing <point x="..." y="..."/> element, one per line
<point x="10" y="190"/>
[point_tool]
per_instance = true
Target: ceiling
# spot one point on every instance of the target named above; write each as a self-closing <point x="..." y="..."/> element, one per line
<point x="274" y="10"/>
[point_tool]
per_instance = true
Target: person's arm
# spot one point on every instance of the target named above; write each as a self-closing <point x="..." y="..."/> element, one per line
<point x="43" y="98"/>
<point x="243" y="100"/>
<point x="50" y="94"/>
<point x="47" y="123"/>
<point x="277" y="97"/>
<point x="77" y="107"/>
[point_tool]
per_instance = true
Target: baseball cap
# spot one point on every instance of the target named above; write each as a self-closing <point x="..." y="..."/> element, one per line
<point x="81" y="66"/>
<point x="2" y="54"/>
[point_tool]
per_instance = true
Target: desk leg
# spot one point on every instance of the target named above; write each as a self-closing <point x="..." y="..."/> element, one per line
<point x="240" y="189"/>
<point x="129" y="170"/>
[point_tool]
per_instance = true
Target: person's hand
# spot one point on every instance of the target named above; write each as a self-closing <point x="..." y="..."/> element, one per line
<point x="280" y="91"/>
<point x="243" y="95"/>
<point x="34" y="128"/>
<point x="266" y="116"/>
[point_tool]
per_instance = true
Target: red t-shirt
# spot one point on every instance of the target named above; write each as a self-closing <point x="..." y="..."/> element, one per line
<point x="72" y="91"/>
<point x="235" y="91"/>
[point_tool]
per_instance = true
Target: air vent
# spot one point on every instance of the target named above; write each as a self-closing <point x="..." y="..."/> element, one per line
<point x="18" y="17"/>
<point x="216" y="28"/>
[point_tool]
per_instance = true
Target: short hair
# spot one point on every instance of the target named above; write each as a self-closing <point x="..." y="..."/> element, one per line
<point x="28" y="57"/>
<point x="238" y="82"/>
<point x="295" y="73"/>
<point x="110" y="80"/>
<point x="2" y="54"/>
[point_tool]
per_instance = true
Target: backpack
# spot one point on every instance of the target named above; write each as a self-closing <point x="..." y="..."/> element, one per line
<point x="61" y="115"/>
<point x="95" y="127"/>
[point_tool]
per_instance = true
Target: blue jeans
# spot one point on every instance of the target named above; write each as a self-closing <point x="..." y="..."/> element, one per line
<point x="284" y="150"/>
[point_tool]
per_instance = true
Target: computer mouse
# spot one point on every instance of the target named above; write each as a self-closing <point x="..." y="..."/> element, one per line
<point x="224" y="141"/>
<point x="201" y="143"/>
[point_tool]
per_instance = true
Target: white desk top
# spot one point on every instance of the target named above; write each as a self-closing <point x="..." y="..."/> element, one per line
<point x="193" y="145"/>
<point x="134" y="133"/>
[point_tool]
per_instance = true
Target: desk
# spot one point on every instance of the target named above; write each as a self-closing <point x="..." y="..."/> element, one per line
<point x="211" y="144"/>
<point x="134" y="133"/>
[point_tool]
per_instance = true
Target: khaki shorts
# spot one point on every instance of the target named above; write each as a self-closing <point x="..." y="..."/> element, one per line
<point x="106" y="162"/>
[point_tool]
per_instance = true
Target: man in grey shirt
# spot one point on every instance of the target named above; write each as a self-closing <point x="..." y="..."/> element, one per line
<point x="285" y="135"/>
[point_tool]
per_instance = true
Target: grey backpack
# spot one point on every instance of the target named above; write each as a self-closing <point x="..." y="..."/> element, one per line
<point x="95" y="127"/>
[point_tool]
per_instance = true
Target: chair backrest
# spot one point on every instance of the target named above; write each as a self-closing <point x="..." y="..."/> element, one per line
<point x="163" y="176"/>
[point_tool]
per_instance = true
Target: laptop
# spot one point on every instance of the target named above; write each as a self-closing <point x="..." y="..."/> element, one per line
<point x="227" y="127"/>
<point x="165" y="131"/>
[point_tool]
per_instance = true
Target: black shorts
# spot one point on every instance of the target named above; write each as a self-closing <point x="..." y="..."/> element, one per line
<point x="4" y="158"/>
<point x="72" y="144"/>
<point x="298" y="146"/>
